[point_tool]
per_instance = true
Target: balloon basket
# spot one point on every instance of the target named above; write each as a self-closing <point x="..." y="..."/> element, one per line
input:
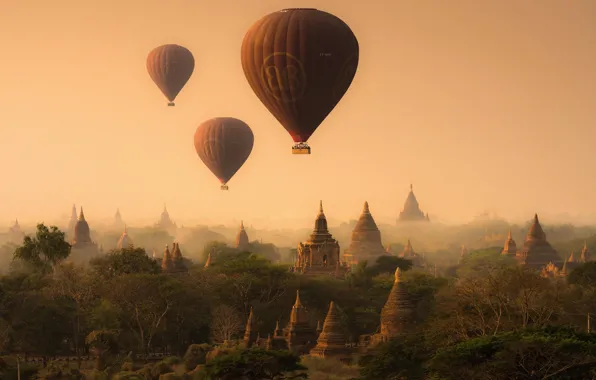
<point x="301" y="148"/>
<point x="171" y="104"/>
<point x="224" y="187"/>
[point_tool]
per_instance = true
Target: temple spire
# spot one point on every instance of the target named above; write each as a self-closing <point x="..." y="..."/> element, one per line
<point x="297" y="303"/>
<point x="82" y="214"/>
<point x="208" y="260"/>
<point x="365" y="210"/>
<point x="320" y="207"/>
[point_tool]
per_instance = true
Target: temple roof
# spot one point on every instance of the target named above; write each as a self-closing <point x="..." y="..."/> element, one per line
<point x="537" y="252"/>
<point x="510" y="247"/>
<point x="166" y="261"/>
<point x="399" y="310"/>
<point x="332" y="335"/>
<point x="408" y="250"/>
<point x="82" y="233"/>
<point x="536" y="232"/>
<point x="242" y="238"/>
<point x="298" y="315"/>
<point x="411" y="210"/>
<point x="321" y="232"/>
<point x="366" y="221"/>
<point x="125" y="240"/>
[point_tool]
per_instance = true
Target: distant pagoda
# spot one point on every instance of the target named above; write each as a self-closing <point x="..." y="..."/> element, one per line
<point x="242" y="238"/>
<point x="366" y="238"/>
<point x="411" y="211"/>
<point x="537" y="252"/>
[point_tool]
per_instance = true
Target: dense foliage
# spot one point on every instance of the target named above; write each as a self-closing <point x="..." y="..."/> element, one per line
<point x="485" y="319"/>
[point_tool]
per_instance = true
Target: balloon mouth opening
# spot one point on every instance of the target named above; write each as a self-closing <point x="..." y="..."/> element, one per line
<point x="171" y="104"/>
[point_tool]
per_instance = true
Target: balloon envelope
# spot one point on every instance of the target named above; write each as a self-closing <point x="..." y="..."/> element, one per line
<point x="170" y="67"/>
<point x="224" y="144"/>
<point x="300" y="63"/>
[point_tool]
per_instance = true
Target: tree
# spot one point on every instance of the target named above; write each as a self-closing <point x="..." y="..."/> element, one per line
<point x="255" y="364"/>
<point x="550" y="353"/>
<point x="584" y="275"/>
<point x="225" y="323"/>
<point x="146" y="300"/>
<point x="388" y="264"/>
<point x="129" y="260"/>
<point x="72" y="283"/>
<point x="399" y="359"/>
<point x="45" y="250"/>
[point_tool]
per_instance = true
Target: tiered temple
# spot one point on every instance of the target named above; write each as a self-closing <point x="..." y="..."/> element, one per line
<point x="173" y="262"/>
<point x="165" y="222"/>
<point x="81" y="241"/>
<point x="410" y="254"/>
<point x="411" y="211"/>
<point x="537" y="252"/>
<point x="242" y="238"/>
<point x="366" y="242"/>
<point x="331" y="342"/>
<point x="298" y="336"/>
<point x="510" y="248"/>
<point x="320" y="253"/>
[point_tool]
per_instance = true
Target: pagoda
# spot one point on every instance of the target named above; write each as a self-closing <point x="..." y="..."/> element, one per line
<point x="411" y="211"/>
<point x="81" y="241"/>
<point x="300" y="335"/>
<point x="510" y="248"/>
<point x="537" y="252"/>
<point x="366" y="238"/>
<point x="125" y="241"/>
<point x="242" y="238"/>
<point x="320" y="253"/>
<point x="332" y="341"/>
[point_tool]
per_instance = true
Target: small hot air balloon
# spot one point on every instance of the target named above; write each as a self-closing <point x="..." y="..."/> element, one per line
<point x="300" y="62"/>
<point x="224" y="144"/>
<point x="170" y="67"/>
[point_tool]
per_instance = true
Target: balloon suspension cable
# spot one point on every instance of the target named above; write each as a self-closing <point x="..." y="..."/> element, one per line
<point x="301" y="148"/>
<point x="224" y="187"/>
<point x="171" y="104"/>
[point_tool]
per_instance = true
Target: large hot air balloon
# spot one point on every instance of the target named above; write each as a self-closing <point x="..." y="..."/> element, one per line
<point x="300" y="62"/>
<point x="170" y="67"/>
<point x="224" y="144"/>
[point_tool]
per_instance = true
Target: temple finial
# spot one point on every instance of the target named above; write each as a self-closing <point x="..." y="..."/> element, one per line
<point x="366" y="210"/>
<point x="82" y="214"/>
<point x="411" y="187"/>
<point x="297" y="303"/>
<point x="321" y="206"/>
<point x="242" y="224"/>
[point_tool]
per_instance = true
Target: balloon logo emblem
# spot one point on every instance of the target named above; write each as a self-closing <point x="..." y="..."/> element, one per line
<point x="345" y="76"/>
<point x="285" y="82"/>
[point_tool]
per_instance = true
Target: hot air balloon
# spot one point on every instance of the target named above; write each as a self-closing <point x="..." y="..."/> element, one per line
<point x="170" y="67"/>
<point x="300" y="62"/>
<point x="224" y="144"/>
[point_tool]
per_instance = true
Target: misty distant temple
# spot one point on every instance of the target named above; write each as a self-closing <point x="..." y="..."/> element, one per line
<point x="411" y="211"/>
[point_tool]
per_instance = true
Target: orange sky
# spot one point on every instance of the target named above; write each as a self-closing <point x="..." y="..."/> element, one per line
<point x="481" y="104"/>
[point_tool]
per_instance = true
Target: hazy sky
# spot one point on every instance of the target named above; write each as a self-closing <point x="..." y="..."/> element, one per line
<point x="482" y="104"/>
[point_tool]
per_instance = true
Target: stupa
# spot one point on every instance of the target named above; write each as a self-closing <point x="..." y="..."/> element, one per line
<point x="537" y="252"/>
<point x="332" y="340"/>
<point x="366" y="242"/>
